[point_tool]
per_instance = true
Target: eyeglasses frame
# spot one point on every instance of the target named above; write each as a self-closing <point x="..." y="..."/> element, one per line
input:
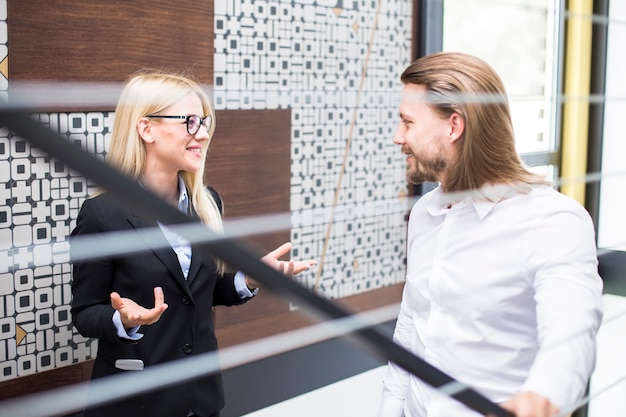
<point x="186" y="118"/>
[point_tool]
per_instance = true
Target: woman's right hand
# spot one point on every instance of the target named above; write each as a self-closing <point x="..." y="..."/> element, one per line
<point x="132" y="314"/>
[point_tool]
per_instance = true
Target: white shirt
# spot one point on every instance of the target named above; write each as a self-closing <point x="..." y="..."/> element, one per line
<point x="503" y="296"/>
<point x="179" y="244"/>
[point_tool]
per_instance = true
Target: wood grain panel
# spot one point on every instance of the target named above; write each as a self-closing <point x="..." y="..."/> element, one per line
<point x="268" y="325"/>
<point x="106" y="40"/>
<point x="249" y="164"/>
<point x="249" y="161"/>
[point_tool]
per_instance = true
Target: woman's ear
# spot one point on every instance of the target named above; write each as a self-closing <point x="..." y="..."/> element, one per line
<point x="144" y="129"/>
<point x="457" y="127"/>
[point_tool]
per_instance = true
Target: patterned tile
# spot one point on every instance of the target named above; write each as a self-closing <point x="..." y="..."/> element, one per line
<point x="336" y="64"/>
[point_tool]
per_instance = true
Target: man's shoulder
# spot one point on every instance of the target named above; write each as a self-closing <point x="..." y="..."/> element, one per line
<point x="546" y="200"/>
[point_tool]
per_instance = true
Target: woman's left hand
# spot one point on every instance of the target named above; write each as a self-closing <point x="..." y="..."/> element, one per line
<point x="289" y="267"/>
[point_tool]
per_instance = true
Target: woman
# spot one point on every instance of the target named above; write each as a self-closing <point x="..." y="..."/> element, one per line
<point x="162" y="130"/>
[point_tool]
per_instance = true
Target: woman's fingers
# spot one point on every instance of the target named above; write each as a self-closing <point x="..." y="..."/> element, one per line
<point x="290" y="267"/>
<point x="159" y="299"/>
<point x="116" y="300"/>
<point x="279" y="251"/>
<point x="133" y="314"/>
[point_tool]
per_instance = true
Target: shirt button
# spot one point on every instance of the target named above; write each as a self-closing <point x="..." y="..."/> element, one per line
<point x="187" y="348"/>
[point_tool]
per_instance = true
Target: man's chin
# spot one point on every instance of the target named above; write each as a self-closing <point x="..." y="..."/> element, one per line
<point x="418" y="178"/>
<point x="414" y="181"/>
<point x="421" y="173"/>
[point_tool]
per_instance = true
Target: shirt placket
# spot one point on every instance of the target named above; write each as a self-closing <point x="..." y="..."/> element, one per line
<point x="435" y="324"/>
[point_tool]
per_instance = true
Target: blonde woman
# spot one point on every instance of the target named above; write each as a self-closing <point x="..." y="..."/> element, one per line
<point x="156" y="306"/>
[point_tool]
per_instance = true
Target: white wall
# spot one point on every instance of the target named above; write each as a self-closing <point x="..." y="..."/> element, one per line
<point x="612" y="225"/>
<point x="608" y="383"/>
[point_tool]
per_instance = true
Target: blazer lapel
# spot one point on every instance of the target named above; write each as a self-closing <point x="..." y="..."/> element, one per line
<point x="161" y="249"/>
<point x="196" y="257"/>
<point x="196" y="261"/>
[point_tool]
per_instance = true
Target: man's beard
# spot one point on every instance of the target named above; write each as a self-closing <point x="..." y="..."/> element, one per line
<point x="425" y="169"/>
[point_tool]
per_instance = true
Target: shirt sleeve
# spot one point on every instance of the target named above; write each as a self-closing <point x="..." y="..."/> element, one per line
<point x="569" y="306"/>
<point x="390" y="406"/>
<point x="241" y="287"/>
<point x="396" y="382"/>
<point x="130" y="334"/>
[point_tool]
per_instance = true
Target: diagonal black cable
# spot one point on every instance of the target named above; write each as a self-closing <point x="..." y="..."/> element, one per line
<point x="235" y="253"/>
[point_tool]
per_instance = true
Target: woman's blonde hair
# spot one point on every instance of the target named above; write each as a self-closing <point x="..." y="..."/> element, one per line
<point x="150" y="92"/>
<point x="466" y="85"/>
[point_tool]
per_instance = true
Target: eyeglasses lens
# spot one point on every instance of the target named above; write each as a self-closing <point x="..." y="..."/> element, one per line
<point x="193" y="124"/>
<point x="207" y="122"/>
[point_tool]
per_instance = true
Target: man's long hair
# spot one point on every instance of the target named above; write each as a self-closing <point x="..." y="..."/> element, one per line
<point x="466" y="85"/>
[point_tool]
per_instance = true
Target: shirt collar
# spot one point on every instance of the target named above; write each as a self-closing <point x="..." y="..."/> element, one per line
<point x="183" y="197"/>
<point x="483" y="201"/>
<point x="439" y="203"/>
<point x="483" y="207"/>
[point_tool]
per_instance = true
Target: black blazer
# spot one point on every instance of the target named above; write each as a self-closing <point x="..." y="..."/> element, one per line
<point x="185" y="328"/>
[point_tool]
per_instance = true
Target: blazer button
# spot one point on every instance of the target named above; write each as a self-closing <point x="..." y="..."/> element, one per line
<point x="187" y="348"/>
<point x="186" y="300"/>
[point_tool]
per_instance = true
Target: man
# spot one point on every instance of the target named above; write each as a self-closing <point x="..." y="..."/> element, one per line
<point x="502" y="290"/>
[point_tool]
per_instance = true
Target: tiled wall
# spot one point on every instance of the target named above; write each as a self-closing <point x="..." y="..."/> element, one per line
<point x="335" y="64"/>
<point x="312" y="57"/>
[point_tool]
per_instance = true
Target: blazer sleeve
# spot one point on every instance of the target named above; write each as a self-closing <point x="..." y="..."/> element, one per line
<point x="91" y="308"/>
<point x="226" y="293"/>
<point x="223" y="294"/>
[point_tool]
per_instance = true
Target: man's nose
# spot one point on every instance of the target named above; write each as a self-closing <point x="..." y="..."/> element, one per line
<point x="398" y="137"/>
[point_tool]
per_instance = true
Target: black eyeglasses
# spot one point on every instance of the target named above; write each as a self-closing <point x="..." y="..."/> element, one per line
<point x="193" y="122"/>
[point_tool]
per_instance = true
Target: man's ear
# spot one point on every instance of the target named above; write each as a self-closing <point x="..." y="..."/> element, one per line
<point x="144" y="129"/>
<point x="457" y="127"/>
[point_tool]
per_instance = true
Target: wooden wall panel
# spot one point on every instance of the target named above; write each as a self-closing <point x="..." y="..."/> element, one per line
<point x="249" y="164"/>
<point x="249" y="161"/>
<point x="106" y="40"/>
<point x="264" y="325"/>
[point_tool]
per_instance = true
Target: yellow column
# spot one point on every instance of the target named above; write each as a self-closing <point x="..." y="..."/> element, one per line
<point x="576" y="105"/>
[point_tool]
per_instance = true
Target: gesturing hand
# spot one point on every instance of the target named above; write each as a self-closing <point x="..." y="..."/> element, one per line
<point x="289" y="267"/>
<point x="132" y="314"/>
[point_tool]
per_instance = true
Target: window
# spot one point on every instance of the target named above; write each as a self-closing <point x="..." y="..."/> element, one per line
<point x="520" y="39"/>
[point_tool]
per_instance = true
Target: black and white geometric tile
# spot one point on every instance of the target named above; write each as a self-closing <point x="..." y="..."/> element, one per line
<point x="336" y="65"/>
